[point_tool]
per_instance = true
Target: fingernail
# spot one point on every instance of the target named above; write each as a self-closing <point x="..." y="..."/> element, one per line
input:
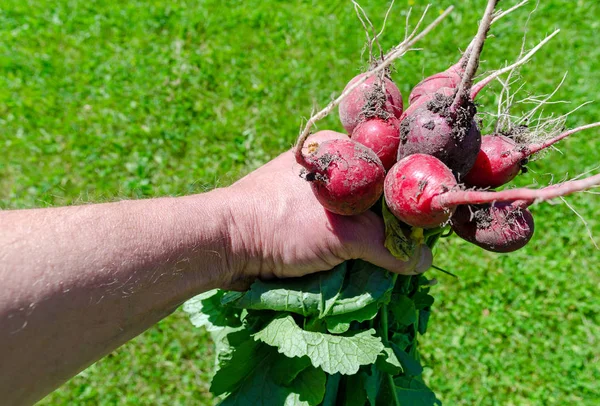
<point x="425" y="259"/>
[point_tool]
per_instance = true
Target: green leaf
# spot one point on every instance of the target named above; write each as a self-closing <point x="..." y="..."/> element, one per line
<point x="313" y="294"/>
<point x="240" y="363"/>
<point x="354" y="390"/>
<point x="403" y="309"/>
<point x="415" y="393"/>
<point x="205" y="310"/>
<point x="231" y="297"/>
<point x="308" y="387"/>
<point x="332" y="353"/>
<point x="285" y="372"/>
<point x="422" y="299"/>
<point x="226" y="339"/>
<point x="397" y="236"/>
<point x="423" y="320"/>
<point x="401" y="340"/>
<point x="386" y="394"/>
<point x="411" y="366"/>
<point x="259" y="385"/>
<point x="365" y="284"/>
<point x="388" y="362"/>
<point x="259" y="389"/>
<point x="341" y="323"/>
<point x="404" y="284"/>
<point x="372" y="384"/>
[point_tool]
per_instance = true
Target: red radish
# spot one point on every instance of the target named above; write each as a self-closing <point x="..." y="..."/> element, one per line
<point x="373" y="98"/>
<point x="420" y="191"/>
<point x="501" y="227"/>
<point x="445" y="128"/>
<point x="501" y="158"/>
<point x="457" y="149"/>
<point x="346" y="177"/>
<point x="411" y="185"/>
<point x="382" y="136"/>
<point x="450" y="78"/>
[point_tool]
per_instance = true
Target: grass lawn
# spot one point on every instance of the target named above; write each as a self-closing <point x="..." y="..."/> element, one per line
<point x="103" y="100"/>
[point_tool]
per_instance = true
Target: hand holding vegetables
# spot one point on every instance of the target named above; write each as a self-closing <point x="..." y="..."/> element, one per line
<point x="274" y="244"/>
<point x="426" y="170"/>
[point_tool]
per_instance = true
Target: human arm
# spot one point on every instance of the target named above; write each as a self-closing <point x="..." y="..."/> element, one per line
<point x="80" y="281"/>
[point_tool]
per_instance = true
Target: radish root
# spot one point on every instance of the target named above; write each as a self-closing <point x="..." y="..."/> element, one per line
<point x="521" y="61"/>
<point x="387" y="60"/>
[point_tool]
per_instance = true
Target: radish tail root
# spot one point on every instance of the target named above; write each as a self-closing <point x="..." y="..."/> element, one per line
<point x="394" y="54"/>
<point x="527" y="196"/>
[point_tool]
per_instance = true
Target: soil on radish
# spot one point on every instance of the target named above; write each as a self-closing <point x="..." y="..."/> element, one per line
<point x="460" y="153"/>
<point x="375" y="105"/>
<point x="346" y="177"/>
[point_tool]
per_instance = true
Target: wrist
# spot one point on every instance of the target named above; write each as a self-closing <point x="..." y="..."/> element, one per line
<point x="241" y="232"/>
<point x="221" y="217"/>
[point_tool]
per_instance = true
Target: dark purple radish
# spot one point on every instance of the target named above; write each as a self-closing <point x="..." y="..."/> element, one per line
<point x="445" y="126"/>
<point x="445" y="93"/>
<point x="428" y="132"/>
<point x="502" y="158"/>
<point x="346" y="177"/>
<point x="382" y="136"/>
<point x="501" y="227"/>
<point x="373" y="98"/>
<point x="421" y="191"/>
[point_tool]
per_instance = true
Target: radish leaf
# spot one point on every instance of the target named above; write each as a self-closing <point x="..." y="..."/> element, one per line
<point x="332" y="353"/>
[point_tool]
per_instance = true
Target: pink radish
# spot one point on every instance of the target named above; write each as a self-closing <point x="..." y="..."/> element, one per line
<point x="501" y="158"/>
<point x="373" y="98"/>
<point x="382" y="136"/>
<point x="420" y="191"/>
<point x="500" y="227"/>
<point x="450" y="78"/>
<point x="346" y="177"/>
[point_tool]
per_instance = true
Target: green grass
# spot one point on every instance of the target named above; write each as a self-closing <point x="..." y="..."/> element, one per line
<point x="104" y="100"/>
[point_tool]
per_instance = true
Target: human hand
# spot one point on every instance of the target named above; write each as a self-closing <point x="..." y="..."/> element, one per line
<point x="278" y="229"/>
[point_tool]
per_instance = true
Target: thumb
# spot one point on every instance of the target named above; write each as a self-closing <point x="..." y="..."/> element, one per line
<point x="375" y="252"/>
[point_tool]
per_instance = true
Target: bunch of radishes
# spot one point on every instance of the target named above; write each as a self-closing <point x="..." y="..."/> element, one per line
<point x="430" y="161"/>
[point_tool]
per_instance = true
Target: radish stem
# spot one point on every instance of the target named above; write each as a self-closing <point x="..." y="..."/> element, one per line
<point x="533" y="148"/>
<point x="529" y="196"/>
<point x="467" y="80"/>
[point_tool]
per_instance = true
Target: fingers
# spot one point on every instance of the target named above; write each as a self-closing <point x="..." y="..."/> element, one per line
<point x="286" y="161"/>
<point x="370" y="247"/>
<point x="325" y="135"/>
<point x="421" y="261"/>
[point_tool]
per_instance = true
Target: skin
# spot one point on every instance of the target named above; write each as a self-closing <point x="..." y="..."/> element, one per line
<point x="78" y="282"/>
